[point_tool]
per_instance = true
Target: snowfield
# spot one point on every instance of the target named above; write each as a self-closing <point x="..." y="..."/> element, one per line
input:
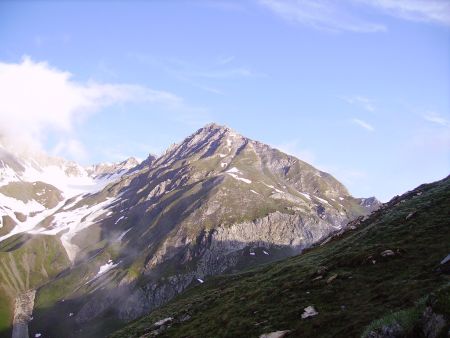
<point x="73" y="181"/>
<point x="73" y="221"/>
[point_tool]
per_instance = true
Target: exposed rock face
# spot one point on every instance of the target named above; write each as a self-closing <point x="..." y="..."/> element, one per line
<point x="393" y="330"/>
<point x="22" y="314"/>
<point x="218" y="251"/>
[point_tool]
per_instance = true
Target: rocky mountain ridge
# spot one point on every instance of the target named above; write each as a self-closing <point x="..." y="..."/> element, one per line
<point x="217" y="202"/>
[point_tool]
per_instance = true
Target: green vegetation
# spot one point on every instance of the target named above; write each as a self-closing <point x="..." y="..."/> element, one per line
<point x="6" y="315"/>
<point x="26" y="262"/>
<point x="405" y="319"/>
<point x="410" y="320"/>
<point x="368" y="285"/>
<point x="44" y="193"/>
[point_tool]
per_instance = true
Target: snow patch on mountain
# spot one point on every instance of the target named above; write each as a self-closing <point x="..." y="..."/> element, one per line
<point x="119" y="219"/>
<point x="322" y="200"/>
<point x="106" y="267"/>
<point x="31" y="222"/>
<point x="16" y="205"/>
<point x="305" y="195"/>
<point x="272" y="187"/>
<point x="73" y="221"/>
<point x="7" y="174"/>
<point x="235" y="172"/>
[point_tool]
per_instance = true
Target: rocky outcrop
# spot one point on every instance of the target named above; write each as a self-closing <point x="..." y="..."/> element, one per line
<point x="429" y="318"/>
<point x="432" y="323"/>
<point x="214" y="252"/>
<point x="218" y="251"/>
<point x="22" y="313"/>
<point x="393" y="330"/>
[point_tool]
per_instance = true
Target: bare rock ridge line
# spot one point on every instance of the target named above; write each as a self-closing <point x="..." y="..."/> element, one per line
<point x="23" y="311"/>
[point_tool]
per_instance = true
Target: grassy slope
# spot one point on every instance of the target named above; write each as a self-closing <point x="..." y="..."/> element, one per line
<point x="45" y="194"/>
<point x="273" y="297"/>
<point x="25" y="263"/>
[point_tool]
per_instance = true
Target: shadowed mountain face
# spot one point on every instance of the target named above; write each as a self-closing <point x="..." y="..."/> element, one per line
<point x="385" y="276"/>
<point x="215" y="203"/>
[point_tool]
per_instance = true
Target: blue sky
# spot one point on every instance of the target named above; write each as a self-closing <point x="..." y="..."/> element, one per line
<point x="358" y="88"/>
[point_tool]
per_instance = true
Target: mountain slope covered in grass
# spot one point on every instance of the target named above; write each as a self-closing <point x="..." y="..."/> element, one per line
<point x="26" y="262"/>
<point x="385" y="264"/>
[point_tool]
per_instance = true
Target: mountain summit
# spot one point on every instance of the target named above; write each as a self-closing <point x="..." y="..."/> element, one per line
<point x="217" y="202"/>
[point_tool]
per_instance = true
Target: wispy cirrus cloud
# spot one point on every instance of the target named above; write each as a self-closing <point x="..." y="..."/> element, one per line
<point x="436" y="118"/>
<point x="361" y="101"/>
<point x="327" y="15"/>
<point x="351" y="15"/>
<point x="206" y="76"/>
<point x="363" y="124"/>
<point x="432" y="11"/>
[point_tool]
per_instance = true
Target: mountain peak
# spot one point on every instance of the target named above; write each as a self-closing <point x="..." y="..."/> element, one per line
<point x="206" y="140"/>
<point x="209" y="130"/>
<point x="129" y="163"/>
<point x="214" y="126"/>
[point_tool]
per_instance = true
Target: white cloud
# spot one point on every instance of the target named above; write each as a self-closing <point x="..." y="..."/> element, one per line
<point x="435" y="11"/>
<point x="361" y="101"/>
<point x="325" y="15"/>
<point x="72" y="147"/>
<point x="436" y="118"/>
<point x="350" y="15"/>
<point x="363" y="124"/>
<point x="38" y="99"/>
